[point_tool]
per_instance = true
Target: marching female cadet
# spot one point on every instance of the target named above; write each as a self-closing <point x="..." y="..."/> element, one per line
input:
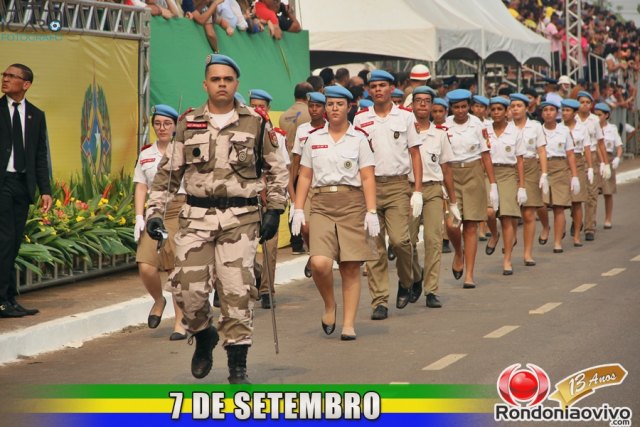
<point x="470" y="153"/>
<point x="613" y="145"/>
<point x="562" y="172"/>
<point x="535" y="170"/>
<point x="436" y="154"/>
<point x="150" y="261"/>
<point x="316" y="102"/>
<point x="439" y="111"/>
<point x="582" y="150"/>
<point x="507" y="150"/>
<point x="337" y="162"/>
<point x="480" y="109"/>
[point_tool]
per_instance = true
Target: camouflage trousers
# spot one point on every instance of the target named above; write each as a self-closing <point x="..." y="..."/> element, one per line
<point x="223" y="257"/>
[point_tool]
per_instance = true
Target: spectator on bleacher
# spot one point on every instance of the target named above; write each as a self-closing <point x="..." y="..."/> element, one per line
<point x="419" y="76"/>
<point x="615" y="66"/>
<point x="278" y="16"/>
<point x="584" y="46"/>
<point x="565" y="84"/>
<point x="554" y="32"/>
<point x="230" y="11"/>
<point x="206" y="15"/>
<point x="165" y="8"/>
<point x="342" y="77"/>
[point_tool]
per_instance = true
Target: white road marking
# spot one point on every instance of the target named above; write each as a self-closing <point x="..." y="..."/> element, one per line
<point x="613" y="272"/>
<point x="545" y="308"/>
<point x="398" y="383"/>
<point x="444" y="362"/>
<point x="583" y="288"/>
<point x="636" y="258"/>
<point x="500" y="332"/>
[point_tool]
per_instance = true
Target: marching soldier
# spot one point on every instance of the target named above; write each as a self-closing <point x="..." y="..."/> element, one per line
<point x="219" y="150"/>
<point x="613" y="145"/>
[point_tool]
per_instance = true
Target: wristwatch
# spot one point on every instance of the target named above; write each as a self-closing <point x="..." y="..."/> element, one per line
<point x="372" y="211"/>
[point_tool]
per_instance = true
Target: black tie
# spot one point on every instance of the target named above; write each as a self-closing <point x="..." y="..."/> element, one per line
<point x="18" y="145"/>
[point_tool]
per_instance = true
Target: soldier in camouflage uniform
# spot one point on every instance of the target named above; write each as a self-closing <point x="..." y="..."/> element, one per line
<point x="218" y="148"/>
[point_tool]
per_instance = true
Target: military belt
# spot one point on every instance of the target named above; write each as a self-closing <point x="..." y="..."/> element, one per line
<point x="392" y="178"/>
<point x="221" y="202"/>
<point x="335" y="188"/>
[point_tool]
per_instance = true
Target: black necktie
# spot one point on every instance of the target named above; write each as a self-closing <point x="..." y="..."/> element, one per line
<point x="18" y="145"/>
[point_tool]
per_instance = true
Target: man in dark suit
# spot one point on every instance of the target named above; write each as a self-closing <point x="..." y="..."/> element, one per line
<point x="24" y="165"/>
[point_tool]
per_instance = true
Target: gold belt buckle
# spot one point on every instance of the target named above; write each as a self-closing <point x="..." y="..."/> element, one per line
<point x="333" y="189"/>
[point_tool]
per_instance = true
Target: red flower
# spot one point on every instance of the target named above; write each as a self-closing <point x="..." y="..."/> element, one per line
<point x="107" y="190"/>
<point x="67" y="194"/>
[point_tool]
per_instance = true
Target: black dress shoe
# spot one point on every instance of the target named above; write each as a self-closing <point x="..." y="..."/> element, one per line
<point x="558" y="251"/>
<point x="216" y="299"/>
<point x="416" y="289"/>
<point x="529" y="263"/>
<point x="202" y="359"/>
<point x="264" y="301"/>
<point x="153" y="321"/>
<point x="28" y="311"/>
<point x="482" y="238"/>
<point x="468" y="285"/>
<point x="307" y="269"/>
<point x="507" y="272"/>
<point x="433" y="301"/>
<point x="589" y="236"/>
<point x="345" y="337"/>
<point x="404" y="295"/>
<point x="577" y="245"/>
<point x="379" y="313"/>
<point x="328" y="329"/>
<point x="607" y="226"/>
<point x="390" y="255"/>
<point x="8" y="310"/>
<point x="177" y="336"/>
<point x="457" y="274"/>
<point x="543" y="241"/>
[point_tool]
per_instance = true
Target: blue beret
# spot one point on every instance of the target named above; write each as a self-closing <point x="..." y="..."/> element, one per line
<point x="570" y="103"/>
<point x="365" y="95"/>
<point x="238" y="96"/>
<point x="458" y="95"/>
<point x="364" y="103"/>
<point x="381" y="75"/>
<point x="500" y="100"/>
<point x="164" y="110"/>
<point x="260" y="94"/>
<point x="397" y="93"/>
<point x="337" y="92"/>
<point x="585" y="94"/>
<point x="479" y="99"/>
<point x="550" y="104"/>
<point x="519" y="97"/>
<point x="216" y="58"/>
<point x="441" y="101"/>
<point x="425" y="90"/>
<point x="603" y="107"/>
<point x="316" y="97"/>
<point x="550" y="80"/>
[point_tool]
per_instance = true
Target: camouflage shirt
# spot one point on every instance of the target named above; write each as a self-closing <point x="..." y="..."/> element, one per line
<point x="219" y="163"/>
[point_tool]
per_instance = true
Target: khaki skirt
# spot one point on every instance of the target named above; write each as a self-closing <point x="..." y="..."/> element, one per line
<point x="582" y="196"/>
<point x="608" y="187"/>
<point x="471" y="193"/>
<point x="559" y="183"/>
<point x="532" y="183"/>
<point x="507" y="180"/>
<point x="147" y="247"/>
<point x="336" y="227"/>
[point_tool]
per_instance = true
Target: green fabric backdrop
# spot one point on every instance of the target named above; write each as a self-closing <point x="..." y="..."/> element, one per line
<point x="179" y="48"/>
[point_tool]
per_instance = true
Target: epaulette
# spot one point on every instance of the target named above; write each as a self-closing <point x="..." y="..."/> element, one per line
<point x="190" y="109"/>
<point x="361" y="130"/>
<point x="263" y="114"/>
<point x="402" y="107"/>
<point x="442" y="127"/>
<point x="144" y="147"/>
<point x="315" y="129"/>
<point x="363" y="110"/>
<point x="281" y="131"/>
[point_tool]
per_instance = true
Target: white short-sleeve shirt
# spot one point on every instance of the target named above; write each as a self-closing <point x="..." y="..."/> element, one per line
<point x="558" y="141"/>
<point x="391" y="137"/>
<point x="592" y="122"/>
<point x="302" y="133"/>
<point x="612" y="138"/>
<point x="282" y="145"/>
<point x="434" y="151"/>
<point x="147" y="166"/>
<point x="336" y="163"/>
<point x="506" y="147"/>
<point x="580" y="137"/>
<point x="467" y="139"/>
<point x="532" y="138"/>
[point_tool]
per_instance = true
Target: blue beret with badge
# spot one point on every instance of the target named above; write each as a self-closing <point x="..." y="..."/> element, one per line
<point x="164" y="110"/>
<point x="519" y="97"/>
<point x="458" y="95"/>
<point x="603" y="107"/>
<point x="424" y="90"/>
<point x="553" y="104"/>
<point x="570" y="103"/>
<point x="337" y="92"/>
<point x="441" y="101"/>
<point x="238" y="96"/>
<point x="500" y="100"/>
<point x="585" y="94"/>
<point x="479" y="99"/>
<point x="260" y="94"/>
<point x="380" y="76"/>
<point x="365" y="103"/>
<point x="216" y="58"/>
<point x="397" y="93"/>
<point x="316" y="97"/>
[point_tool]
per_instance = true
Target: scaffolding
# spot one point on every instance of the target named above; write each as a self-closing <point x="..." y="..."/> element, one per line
<point x="573" y="25"/>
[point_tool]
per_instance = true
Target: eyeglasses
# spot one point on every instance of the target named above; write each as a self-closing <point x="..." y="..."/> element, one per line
<point x="161" y="125"/>
<point x="12" y="76"/>
<point x="422" y="101"/>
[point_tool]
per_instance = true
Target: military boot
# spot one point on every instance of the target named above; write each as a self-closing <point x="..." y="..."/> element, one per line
<point x="237" y="362"/>
<point x="202" y="360"/>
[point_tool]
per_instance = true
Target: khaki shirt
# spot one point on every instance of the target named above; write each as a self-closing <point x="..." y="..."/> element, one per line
<point x="289" y="121"/>
<point x="220" y="163"/>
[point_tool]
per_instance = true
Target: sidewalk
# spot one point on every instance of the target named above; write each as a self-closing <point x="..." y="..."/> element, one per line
<point x="74" y="313"/>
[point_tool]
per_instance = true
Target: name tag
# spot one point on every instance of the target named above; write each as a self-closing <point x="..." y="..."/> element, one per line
<point x="197" y="125"/>
<point x="365" y="124"/>
<point x="317" y="147"/>
<point x="143" y="161"/>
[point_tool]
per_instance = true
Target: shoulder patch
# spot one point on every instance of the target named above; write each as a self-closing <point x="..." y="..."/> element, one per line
<point x="358" y="128"/>
<point x="190" y="109"/>
<point x="280" y="131"/>
<point x="402" y="107"/>
<point x="442" y="127"/>
<point x="144" y="147"/>
<point x="262" y="114"/>
<point x="364" y="110"/>
<point x="315" y="129"/>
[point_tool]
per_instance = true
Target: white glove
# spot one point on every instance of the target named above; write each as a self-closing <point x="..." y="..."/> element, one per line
<point x="522" y="196"/>
<point x="297" y="221"/>
<point x="544" y="183"/>
<point x="575" y="185"/>
<point x="455" y="212"/>
<point x="605" y="171"/>
<point x="590" y="175"/>
<point x="615" y="162"/>
<point x="372" y="224"/>
<point x="416" y="204"/>
<point x="494" y="197"/>
<point x="138" y="229"/>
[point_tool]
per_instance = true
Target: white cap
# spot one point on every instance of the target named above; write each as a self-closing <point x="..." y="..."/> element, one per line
<point x="420" y="72"/>
<point x="565" y="80"/>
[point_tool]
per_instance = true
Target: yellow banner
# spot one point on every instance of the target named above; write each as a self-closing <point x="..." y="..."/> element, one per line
<point x="88" y="88"/>
<point x="577" y="386"/>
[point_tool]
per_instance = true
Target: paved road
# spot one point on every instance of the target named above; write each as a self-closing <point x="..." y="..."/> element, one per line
<point x="597" y="326"/>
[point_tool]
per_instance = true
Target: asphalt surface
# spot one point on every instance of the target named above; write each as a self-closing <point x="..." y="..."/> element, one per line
<point x="594" y="327"/>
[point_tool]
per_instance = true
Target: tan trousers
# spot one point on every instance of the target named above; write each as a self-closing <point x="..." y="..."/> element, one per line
<point x="393" y="212"/>
<point x="591" y="205"/>
<point x="432" y="216"/>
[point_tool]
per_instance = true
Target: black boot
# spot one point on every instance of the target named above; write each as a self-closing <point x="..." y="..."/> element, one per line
<point x="202" y="359"/>
<point x="237" y="362"/>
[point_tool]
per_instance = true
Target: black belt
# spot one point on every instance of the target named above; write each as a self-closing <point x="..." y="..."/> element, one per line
<point x="221" y="202"/>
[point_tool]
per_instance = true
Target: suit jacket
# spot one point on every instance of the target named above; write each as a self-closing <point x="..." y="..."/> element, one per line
<point x="36" y="151"/>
